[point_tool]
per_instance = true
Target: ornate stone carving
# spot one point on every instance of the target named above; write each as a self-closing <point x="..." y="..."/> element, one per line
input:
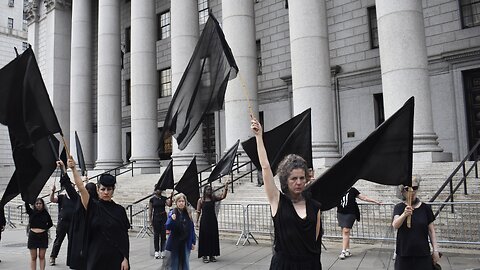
<point x="54" y="4"/>
<point x="31" y="11"/>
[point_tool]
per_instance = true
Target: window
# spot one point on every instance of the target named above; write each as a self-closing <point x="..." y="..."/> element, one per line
<point x="128" y="93"/>
<point x="127" y="39"/>
<point x="259" y="57"/>
<point x="11" y="3"/>
<point x="165" y="82"/>
<point x="202" y="11"/>
<point x="10" y="23"/>
<point x="372" y="19"/>
<point x="165" y="152"/>
<point x="24" y="46"/>
<point x="378" y="109"/>
<point x="163" y="25"/>
<point x="470" y="13"/>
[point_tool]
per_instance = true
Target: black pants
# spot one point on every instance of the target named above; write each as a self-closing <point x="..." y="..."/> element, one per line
<point x="159" y="233"/>
<point x="62" y="230"/>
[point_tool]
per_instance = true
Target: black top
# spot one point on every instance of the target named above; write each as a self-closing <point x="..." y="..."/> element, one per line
<point x="158" y="205"/>
<point x="348" y="204"/>
<point x="38" y="219"/>
<point x="108" y="241"/>
<point x="414" y="241"/>
<point x="296" y="244"/>
<point x="66" y="207"/>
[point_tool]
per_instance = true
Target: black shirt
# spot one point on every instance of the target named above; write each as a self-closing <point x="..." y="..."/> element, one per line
<point x="158" y="206"/>
<point x="348" y="204"/>
<point x="66" y="208"/>
<point x="39" y="219"/>
<point x="414" y="241"/>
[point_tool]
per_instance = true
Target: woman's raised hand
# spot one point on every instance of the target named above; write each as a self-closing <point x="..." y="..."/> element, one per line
<point x="71" y="163"/>
<point x="255" y="126"/>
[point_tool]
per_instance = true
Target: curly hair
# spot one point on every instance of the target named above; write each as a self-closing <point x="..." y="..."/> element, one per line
<point x="286" y="166"/>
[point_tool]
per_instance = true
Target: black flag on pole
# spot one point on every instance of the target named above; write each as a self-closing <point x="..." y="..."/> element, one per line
<point x="225" y="164"/>
<point x="81" y="158"/>
<point x="384" y="157"/>
<point x="27" y="111"/>
<point x="166" y="181"/>
<point x="291" y="137"/>
<point x="188" y="184"/>
<point x="202" y="87"/>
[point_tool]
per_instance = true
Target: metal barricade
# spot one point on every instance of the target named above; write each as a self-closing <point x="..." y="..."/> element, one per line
<point x="231" y="217"/>
<point x="258" y="220"/>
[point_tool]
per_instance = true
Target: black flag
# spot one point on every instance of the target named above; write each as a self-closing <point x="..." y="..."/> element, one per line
<point x="188" y="184"/>
<point x="384" y="157"/>
<point x="225" y="164"/>
<point x="33" y="167"/>
<point x="166" y="181"/>
<point x="202" y="87"/>
<point x="291" y="137"/>
<point x="81" y="158"/>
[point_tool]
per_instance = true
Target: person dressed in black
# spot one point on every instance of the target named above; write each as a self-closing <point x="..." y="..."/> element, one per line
<point x="107" y="243"/>
<point x="296" y="219"/>
<point x="347" y="213"/>
<point x="208" y="239"/>
<point x="412" y="247"/>
<point x="158" y="217"/>
<point x="66" y="207"/>
<point x="39" y="221"/>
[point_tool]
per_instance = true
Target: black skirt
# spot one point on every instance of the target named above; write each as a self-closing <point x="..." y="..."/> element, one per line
<point x="37" y="240"/>
<point x="345" y="220"/>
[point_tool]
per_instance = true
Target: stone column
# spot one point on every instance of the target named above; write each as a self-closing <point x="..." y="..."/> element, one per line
<point x="57" y="59"/>
<point x="109" y="113"/>
<point x="404" y="64"/>
<point x="311" y="79"/>
<point x="185" y="32"/>
<point x="144" y="87"/>
<point x="241" y="94"/>
<point x="81" y="81"/>
<point x="32" y="15"/>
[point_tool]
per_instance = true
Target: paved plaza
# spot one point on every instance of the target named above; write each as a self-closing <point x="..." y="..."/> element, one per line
<point x="14" y="255"/>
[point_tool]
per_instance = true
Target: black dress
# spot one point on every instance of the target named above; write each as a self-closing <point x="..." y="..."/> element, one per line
<point x="108" y="241"/>
<point x="208" y="242"/>
<point x="296" y="245"/>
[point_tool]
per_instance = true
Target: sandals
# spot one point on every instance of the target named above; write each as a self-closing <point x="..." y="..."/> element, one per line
<point x="205" y="259"/>
<point x="212" y="259"/>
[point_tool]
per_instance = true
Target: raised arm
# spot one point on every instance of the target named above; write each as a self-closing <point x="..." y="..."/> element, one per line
<point x="169" y="201"/>
<point x="225" y="191"/>
<point x="273" y="194"/>
<point x="85" y="197"/>
<point x="53" y="199"/>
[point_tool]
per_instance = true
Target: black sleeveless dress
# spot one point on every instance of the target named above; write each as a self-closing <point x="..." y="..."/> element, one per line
<point x="208" y="243"/>
<point x="296" y="247"/>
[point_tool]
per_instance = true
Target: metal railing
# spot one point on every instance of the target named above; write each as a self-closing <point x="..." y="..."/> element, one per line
<point x="459" y="227"/>
<point x="463" y="180"/>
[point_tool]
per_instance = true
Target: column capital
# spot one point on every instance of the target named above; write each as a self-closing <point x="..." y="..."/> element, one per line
<point x="32" y="12"/>
<point x="57" y="4"/>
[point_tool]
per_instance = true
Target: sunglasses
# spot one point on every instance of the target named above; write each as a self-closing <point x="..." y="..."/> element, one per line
<point x="414" y="188"/>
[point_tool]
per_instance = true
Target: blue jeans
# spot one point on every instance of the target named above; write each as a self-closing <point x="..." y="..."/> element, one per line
<point x="180" y="261"/>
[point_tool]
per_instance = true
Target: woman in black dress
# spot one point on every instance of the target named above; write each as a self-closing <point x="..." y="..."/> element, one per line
<point x="39" y="221"/>
<point x="208" y="240"/>
<point x="296" y="219"/>
<point x="107" y="243"/>
<point x="413" y="250"/>
<point x="157" y="217"/>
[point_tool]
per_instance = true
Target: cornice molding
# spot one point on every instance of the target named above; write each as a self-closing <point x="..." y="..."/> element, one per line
<point x="32" y="12"/>
<point x="57" y="4"/>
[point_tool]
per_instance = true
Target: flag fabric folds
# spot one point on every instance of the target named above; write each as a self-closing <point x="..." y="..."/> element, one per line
<point x="188" y="184"/>
<point x="384" y="157"/>
<point x="202" y="87"/>
<point x="225" y="164"/>
<point x="27" y="111"/>
<point x="291" y="137"/>
<point x="80" y="157"/>
<point x="166" y="181"/>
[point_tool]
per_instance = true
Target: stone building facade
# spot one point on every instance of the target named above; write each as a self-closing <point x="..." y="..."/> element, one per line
<point x="111" y="67"/>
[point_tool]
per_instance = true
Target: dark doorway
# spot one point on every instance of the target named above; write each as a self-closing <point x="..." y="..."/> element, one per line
<point x="471" y="83"/>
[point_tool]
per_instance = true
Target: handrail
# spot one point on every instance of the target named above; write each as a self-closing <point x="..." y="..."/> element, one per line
<point x="115" y="169"/>
<point x="449" y="180"/>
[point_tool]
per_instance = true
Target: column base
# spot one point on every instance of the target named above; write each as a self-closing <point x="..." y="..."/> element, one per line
<point x="146" y="165"/>
<point x="325" y="154"/>
<point x="324" y="162"/>
<point x="430" y="157"/>
<point x="107" y="164"/>
<point x="182" y="160"/>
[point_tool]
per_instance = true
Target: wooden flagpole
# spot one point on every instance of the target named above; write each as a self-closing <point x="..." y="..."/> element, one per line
<point x="409" y="203"/>
<point x="244" y="88"/>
